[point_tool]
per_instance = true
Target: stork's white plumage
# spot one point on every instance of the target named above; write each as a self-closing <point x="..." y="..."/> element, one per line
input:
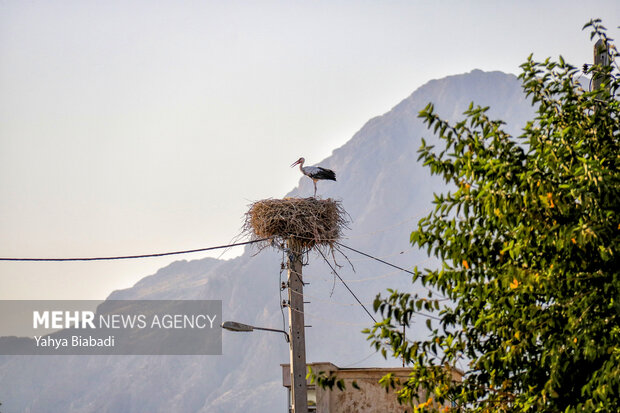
<point x="315" y="172"/>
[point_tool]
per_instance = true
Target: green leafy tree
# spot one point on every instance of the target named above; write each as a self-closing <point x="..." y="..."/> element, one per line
<point x="527" y="297"/>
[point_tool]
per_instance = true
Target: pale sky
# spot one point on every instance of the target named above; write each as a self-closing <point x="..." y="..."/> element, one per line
<point x="130" y="127"/>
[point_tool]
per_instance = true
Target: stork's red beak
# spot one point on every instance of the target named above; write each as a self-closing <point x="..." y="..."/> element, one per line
<point x="296" y="162"/>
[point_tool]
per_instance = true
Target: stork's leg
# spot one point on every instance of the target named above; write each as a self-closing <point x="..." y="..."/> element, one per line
<point x="314" y="187"/>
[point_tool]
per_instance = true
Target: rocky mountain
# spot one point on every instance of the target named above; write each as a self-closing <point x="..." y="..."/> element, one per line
<point x="383" y="188"/>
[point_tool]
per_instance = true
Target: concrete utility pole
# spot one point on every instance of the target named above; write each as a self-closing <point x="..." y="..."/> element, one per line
<point x="601" y="57"/>
<point x="299" y="390"/>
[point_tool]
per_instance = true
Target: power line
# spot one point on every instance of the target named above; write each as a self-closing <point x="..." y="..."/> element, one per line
<point x="128" y="257"/>
<point x="400" y="253"/>
<point x="375" y="258"/>
<point x="388" y="263"/>
<point x="331" y="302"/>
<point x="345" y="284"/>
<point x="337" y="302"/>
<point x="359" y="361"/>
<point x="328" y="320"/>
<point x="377" y="277"/>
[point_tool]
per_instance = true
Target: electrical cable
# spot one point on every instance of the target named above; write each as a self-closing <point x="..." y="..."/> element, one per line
<point x="389" y="274"/>
<point x="375" y="258"/>
<point x="388" y="263"/>
<point x="359" y="361"/>
<point x="336" y="302"/>
<point x="329" y="321"/>
<point x="127" y="257"/>
<point x="345" y="284"/>
<point x="401" y="253"/>
<point x="330" y="302"/>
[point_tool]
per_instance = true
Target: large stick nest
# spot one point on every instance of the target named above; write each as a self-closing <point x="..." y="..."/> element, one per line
<point x="307" y="221"/>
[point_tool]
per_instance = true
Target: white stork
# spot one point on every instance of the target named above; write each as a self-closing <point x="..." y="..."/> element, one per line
<point x="315" y="172"/>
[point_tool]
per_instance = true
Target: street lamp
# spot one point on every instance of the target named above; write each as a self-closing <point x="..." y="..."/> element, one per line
<point x="239" y="327"/>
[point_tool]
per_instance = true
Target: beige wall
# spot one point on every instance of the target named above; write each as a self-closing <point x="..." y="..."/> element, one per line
<point x="371" y="398"/>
